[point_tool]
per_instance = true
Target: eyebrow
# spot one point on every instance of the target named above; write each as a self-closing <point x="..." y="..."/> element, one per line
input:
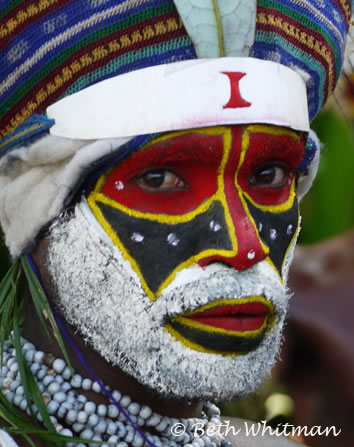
<point x="206" y="152"/>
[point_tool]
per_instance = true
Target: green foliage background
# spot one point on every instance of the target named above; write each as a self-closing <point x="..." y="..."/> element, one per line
<point x="328" y="209"/>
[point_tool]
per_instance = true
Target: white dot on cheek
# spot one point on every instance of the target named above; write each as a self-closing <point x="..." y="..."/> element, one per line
<point x="119" y="185"/>
<point x="260" y="226"/>
<point x="137" y="237"/>
<point x="289" y="230"/>
<point x="172" y="239"/>
<point x="251" y="254"/>
<point x="215" y="226"/>
<point x="273" y="234"/>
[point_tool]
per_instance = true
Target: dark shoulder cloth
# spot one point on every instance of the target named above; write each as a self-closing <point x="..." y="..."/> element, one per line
<point x="243" y="433"/>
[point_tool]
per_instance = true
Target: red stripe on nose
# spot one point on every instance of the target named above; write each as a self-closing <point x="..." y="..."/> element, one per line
<point x="249" y="247"/>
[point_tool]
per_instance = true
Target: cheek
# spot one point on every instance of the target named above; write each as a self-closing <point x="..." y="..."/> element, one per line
<point x="277" y="231"/>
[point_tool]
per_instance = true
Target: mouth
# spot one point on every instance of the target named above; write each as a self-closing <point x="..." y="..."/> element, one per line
<point x="235" y="326"/>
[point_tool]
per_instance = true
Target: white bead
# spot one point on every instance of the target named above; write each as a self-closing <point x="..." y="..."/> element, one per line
<point x="140" y="421"/>
<point x="76" y="381"/>
<point x="86" y="384"/>
<point x="71" y="417"/>
<point x="14" y="385"/>
<point x="153" y="420"/>
<point x="14" y="367"/>
<point x="102" y="410"/>
<point x="86" y="434"/>
<point x="198" y="442"/>
<point x="113" y="438"/>
<point x="133" y="408"/>
<point x="138" y="440"/>
<point x="60" y="397"/>
<point x="145" y="412"/>
<point x="29" y="356"/>
<point x="9" y="395"/>
<point x="90" y="407"/>
<point x="125" y="401"/>
<point x="59" y="379"/>
<point x="53" y="406"/>
<point x="96" y="387"/>
<point x="66" y="432"/>
<point x="62" y="412"/>
<point x="23" y="404"/>
<point x="93" y="420"/>
<point x="112" y="411"/>
<point x="82" y="398"/>
<point x="41" y="374"/>
<point x="38" y="357"/>
<point x="58" y="365"/>
<point x="28" y="347"/>
<point x="66" y="387"/>
<point x="47" y="380"/>
<point x="54" y="388"/>
<point x="66" y="373"/>
<point x="213" y="409"/>
<point x="17" y="399"/>
<point x="121" y="430"/>
<point x="101" y="427"/>
<point x="111" y="428"/>
<point x="78" y="427"/>
<point x="128" y="438"/>
<point x="117" y="395"/>
<point x="82" y="417"/>
<point x="163" y="424"/>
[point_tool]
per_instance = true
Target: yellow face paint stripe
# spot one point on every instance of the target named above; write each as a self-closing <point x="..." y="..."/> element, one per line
<point x="244" y="146"/>
<point x="293" y="238"/>
<point x="281" y="208"/>
<point x="97" y="196"/>
<point x="232" y="301"/>
<point x="195" y="346"/>
<point x="268" y="322"/>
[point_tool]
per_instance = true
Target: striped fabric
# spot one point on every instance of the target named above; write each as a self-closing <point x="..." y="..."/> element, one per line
<point x="308" y="35"/>
<point x="51" y="48"/>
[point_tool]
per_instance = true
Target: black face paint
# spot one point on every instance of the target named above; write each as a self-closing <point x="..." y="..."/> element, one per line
<point x="159" y="248"/>
<point x="276" y="230"/>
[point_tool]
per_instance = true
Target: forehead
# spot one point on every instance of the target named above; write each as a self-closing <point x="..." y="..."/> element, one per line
<point x="202" y="144"/>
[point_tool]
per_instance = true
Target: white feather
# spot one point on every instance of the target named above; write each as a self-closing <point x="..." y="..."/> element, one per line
<point x="237" y="17"/>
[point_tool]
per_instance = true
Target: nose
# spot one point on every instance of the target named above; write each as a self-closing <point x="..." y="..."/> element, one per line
<point x="248" y="246"/>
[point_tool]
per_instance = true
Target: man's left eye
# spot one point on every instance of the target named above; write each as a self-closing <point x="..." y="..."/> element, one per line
<point x="161" y="180"/>
<point x="273" y="175"/>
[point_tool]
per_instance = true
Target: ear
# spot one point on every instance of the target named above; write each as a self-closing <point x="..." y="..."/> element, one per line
<point x="309" y="165"/>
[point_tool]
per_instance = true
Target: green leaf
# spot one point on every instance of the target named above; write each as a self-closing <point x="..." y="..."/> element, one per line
<point x="43" y="308"/>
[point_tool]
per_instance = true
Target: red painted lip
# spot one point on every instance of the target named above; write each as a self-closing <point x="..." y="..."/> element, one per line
<point x="234" y="317"/>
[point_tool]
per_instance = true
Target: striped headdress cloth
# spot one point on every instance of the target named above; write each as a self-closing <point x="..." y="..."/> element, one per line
<point x="51" y="49"/>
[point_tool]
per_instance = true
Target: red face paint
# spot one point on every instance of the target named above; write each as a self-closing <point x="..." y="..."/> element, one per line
<point x="194" y="158"/>
<point x="200" y="210"/>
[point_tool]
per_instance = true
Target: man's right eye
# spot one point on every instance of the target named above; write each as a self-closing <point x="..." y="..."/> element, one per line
<point x="161" y="180"/>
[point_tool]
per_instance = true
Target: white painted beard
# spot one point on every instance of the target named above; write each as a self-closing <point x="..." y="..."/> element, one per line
<point x="102" y="296"/>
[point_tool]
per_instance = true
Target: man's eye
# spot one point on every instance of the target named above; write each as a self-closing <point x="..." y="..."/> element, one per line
<point x="161" y="180"/>
<point x="270" y="176"/>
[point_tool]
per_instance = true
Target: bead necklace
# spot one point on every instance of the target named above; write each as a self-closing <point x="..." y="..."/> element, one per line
<point x="66" y="405"/>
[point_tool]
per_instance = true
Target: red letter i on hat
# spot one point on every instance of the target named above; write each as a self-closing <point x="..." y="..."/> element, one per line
<point x="236" y="101"/>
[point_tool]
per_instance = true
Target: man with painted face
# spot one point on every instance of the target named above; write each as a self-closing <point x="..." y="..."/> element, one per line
<point x="164" y="256"/>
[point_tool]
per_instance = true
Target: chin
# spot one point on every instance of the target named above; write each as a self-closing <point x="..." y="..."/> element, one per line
<point x="101" y="295"/>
